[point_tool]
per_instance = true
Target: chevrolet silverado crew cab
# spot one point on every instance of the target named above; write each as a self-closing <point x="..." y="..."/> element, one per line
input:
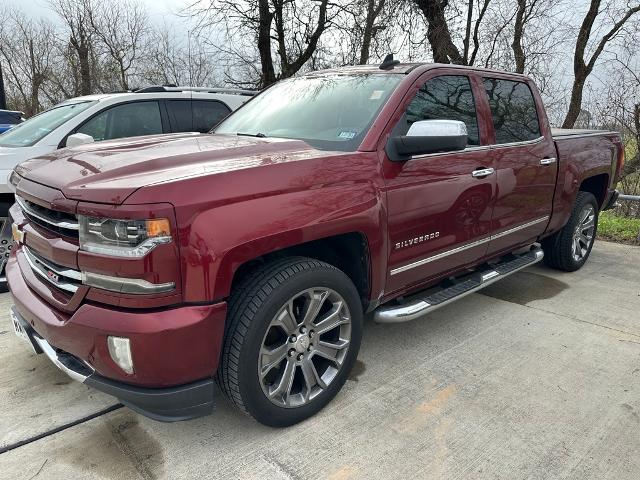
<point x="153" y="268"/>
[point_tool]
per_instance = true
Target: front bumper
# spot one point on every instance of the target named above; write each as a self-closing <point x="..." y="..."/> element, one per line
<point x="175" y="350"/>
<point x="164" y="404"/>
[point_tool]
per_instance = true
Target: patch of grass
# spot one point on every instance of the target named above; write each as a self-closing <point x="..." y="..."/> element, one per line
<point x="619" y="229"/>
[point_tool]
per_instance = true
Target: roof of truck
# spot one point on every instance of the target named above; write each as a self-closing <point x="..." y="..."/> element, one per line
<point x="405" y="68"/>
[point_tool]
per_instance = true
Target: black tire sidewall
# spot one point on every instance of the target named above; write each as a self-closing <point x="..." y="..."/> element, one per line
<point x="254" y="399"/>
<point x="584" y="199"/>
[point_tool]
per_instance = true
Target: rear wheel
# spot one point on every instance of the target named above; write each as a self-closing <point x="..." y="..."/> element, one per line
<point x="569" y="248"/>
<point x="293" y="335"/>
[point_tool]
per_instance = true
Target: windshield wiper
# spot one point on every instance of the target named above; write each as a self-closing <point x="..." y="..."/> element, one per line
<point x="259" y="135"/>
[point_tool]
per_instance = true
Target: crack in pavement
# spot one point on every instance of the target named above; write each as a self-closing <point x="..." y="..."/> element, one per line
<point x="59" y="429"/>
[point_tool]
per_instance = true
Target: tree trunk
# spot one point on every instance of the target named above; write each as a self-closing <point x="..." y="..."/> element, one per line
<point x="3" y="95"/>
<point x="85" y="70"/>
<point x="518" y="31"/>
<point x="35" y="83"/>
<point x="438" y="34"/>
<point x="575" y="104"/>
<point x="367" y="34"/>
<point x="264" y="44"/>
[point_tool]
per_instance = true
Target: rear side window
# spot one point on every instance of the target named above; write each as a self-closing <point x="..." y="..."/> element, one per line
<point x="197" y="115"/>
<point x="126" y="120"/>
<point x="448" y="97"/>
<point x="207" y="115"/>
<point x="513" y="109"/>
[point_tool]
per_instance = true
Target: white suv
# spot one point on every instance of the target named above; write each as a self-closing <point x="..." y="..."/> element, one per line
<point x="149" y="111"/>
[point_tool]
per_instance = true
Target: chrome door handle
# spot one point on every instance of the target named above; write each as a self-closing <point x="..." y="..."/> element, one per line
<point x="482" y="172"/>
<point x="547" y="161"/>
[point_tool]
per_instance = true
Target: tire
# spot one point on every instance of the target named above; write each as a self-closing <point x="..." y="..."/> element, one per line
<point x="260" y="309"/>
<point x="561" y="250"/>
<point x="6" y="243"/>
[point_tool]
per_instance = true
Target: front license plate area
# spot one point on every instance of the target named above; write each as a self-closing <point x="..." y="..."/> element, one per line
<point x="20" y="330"/>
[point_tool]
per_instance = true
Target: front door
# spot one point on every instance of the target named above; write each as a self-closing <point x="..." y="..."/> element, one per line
<point x="526" y="164"/>
<point x="439" y="212"/>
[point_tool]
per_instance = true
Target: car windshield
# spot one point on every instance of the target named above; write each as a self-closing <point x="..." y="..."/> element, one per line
<point x="36" y="128"/>
<point x="328" y="112"/>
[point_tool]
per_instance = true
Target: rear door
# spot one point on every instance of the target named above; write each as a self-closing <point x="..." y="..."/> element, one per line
<point x="439" y="213"/>
<point x="525" y="159"/>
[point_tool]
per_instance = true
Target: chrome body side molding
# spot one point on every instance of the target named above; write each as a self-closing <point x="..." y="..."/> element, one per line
<point x="467" y="246"/>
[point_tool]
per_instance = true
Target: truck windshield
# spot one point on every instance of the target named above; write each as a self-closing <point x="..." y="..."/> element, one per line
<point x="36" y="128"/>
<point x="328" y="112"/>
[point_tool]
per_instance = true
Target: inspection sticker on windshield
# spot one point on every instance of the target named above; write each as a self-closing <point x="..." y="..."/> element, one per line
<point x="347" y="135"/>
<point x="376" y="95"/>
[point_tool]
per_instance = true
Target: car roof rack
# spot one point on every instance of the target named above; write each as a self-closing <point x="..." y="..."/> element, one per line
<point x="175" y="88"/>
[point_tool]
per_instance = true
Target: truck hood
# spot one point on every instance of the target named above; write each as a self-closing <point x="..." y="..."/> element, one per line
<point x="110" y="171"/>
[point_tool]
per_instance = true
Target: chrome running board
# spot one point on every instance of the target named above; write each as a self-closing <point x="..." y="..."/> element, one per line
<point x="421" y="303"/>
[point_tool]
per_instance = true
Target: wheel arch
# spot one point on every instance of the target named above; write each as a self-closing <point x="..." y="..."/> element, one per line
<point x="596" y="185"/>
<point x="349" y="252"/>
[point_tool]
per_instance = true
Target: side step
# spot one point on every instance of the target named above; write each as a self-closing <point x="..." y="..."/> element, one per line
<point x="423" y="302"/>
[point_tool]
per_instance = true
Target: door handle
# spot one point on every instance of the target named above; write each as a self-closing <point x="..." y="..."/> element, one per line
<point x="482" y="172"/>
<point x="547" y="161"/>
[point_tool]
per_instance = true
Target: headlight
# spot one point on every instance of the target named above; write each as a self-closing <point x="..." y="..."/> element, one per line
<point x="122" y="238"/>
<point x="12" y="181"/>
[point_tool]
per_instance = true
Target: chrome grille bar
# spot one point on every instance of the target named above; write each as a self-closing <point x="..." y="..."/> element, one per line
<point x="44" y="269"/>
<point x="43" y="217"/>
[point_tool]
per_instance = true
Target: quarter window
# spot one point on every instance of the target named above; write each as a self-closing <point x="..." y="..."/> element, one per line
<point x="207" y="114"/>
<point x="126" y="120"/>
<point x="448" y="97"/>
<point x="513" y="109"/>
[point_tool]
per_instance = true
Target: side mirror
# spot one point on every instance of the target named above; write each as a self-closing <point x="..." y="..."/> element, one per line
<point x="428" y="136"/>
<point x="78" y="139"/>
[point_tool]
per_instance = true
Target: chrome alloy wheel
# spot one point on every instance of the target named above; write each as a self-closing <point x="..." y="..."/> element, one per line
<point x="583" y="233"/>
<point x="304" y="347"/>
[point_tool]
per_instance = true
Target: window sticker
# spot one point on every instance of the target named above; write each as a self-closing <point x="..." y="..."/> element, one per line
<point x="376" y="95"/>
<point x="347" y="134"/>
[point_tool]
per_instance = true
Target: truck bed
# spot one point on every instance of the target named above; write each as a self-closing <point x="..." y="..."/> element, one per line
<point x="577" y="132"/>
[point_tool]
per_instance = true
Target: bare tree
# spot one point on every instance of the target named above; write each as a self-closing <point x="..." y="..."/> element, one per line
<point x="292" y="27"/>
<point x="122" y="29"/>
<point x="582" y="66"/>
<point x="170" y="61"/>
<point x="27" y="57"/>
<point x="76" y="15"/>
<point x="439" y="34"/>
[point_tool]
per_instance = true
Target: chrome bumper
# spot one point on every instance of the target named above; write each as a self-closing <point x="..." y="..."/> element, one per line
<point x="75" y="368"/>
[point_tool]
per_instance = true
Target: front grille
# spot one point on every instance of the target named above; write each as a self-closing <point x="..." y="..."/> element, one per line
<point x="64" y="278"/>
<point x="59" y="222"/>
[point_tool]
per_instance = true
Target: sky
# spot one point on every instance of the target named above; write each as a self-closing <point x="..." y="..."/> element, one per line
<point x="159" y="10"/>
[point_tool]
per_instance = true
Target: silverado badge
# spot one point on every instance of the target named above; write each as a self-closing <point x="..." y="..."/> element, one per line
<point x="416" y="240"/>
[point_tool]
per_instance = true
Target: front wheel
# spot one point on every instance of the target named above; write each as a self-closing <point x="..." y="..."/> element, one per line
<point x="293" y="333"/>
<point x="569" y="248"/>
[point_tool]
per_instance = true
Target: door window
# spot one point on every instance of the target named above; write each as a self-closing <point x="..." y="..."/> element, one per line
<point x="513" y="109"/>
<point x="207" y="115"/>
<point x="127" y="120"/>
<point x="448" y="97"/>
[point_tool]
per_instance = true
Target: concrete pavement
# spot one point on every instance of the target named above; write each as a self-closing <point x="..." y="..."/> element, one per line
<point x="536" y="377"/>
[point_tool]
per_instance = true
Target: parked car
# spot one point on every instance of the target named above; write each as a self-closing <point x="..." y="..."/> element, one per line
<point x="9" y="119"/>
<point x="151" y="269"/>
<point x="96" y="118"/>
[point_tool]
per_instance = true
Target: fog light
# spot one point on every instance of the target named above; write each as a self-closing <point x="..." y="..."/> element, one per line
<point x="120" y="351"/>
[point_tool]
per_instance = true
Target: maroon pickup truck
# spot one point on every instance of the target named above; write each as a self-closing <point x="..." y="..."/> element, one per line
<point x="154" y="268"/>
